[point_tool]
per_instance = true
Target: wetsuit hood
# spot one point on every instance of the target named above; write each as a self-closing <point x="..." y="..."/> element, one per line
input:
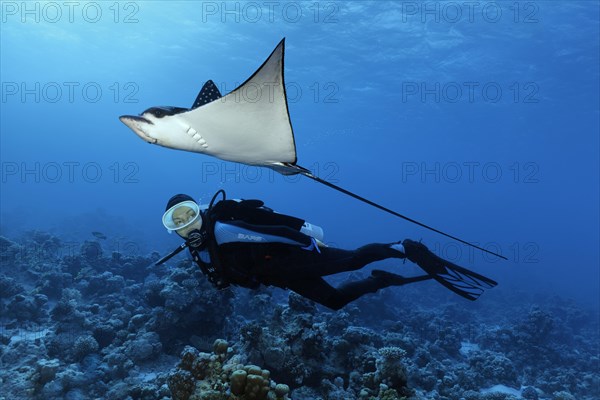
<point x="178" y="198"/>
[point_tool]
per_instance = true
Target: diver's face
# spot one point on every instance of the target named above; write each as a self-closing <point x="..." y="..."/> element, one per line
<point x="184" y="215"/>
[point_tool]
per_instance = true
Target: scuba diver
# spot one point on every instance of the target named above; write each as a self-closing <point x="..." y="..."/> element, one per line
<point x="245" y="243"/>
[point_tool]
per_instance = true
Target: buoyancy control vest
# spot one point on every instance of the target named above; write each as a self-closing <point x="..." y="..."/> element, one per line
<point x="223" y="269"/>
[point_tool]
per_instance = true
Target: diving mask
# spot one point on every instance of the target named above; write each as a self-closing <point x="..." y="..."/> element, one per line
<point x="181" y="216"/>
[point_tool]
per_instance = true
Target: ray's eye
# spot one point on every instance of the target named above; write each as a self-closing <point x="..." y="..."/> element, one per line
<point x="164" y="111"/>
<point x="157" y="112"/>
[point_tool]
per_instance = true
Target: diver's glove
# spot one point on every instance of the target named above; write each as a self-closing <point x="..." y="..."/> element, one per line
<point x="461" y="281"/>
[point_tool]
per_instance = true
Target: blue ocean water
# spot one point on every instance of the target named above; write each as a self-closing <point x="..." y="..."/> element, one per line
<point x="478" y="118"/>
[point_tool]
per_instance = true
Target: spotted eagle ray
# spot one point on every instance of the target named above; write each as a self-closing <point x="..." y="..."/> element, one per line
<point x="249" y="125"/>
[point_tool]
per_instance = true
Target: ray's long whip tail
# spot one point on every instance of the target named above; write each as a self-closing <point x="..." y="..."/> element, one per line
<point x="308" y="174"/>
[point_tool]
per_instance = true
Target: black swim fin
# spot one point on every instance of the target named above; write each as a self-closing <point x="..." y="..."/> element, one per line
<point x="398" y="280"/>
<point x="461" y="281"/>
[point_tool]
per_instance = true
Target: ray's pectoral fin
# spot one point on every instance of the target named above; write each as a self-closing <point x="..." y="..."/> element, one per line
<point x="240" y="128"/>
<point x="209" y="93"/>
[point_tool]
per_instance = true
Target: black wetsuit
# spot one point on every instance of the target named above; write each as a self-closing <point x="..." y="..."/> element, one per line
<point x="249" y="245"/>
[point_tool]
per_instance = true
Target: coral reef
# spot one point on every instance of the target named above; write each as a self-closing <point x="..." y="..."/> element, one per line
<point x="87" y="322"/>
<point x="220" y="376"/>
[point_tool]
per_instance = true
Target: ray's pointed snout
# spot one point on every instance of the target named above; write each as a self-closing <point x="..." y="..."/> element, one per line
<point x="131" y="119"/>
<point x="139" y="125"/>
